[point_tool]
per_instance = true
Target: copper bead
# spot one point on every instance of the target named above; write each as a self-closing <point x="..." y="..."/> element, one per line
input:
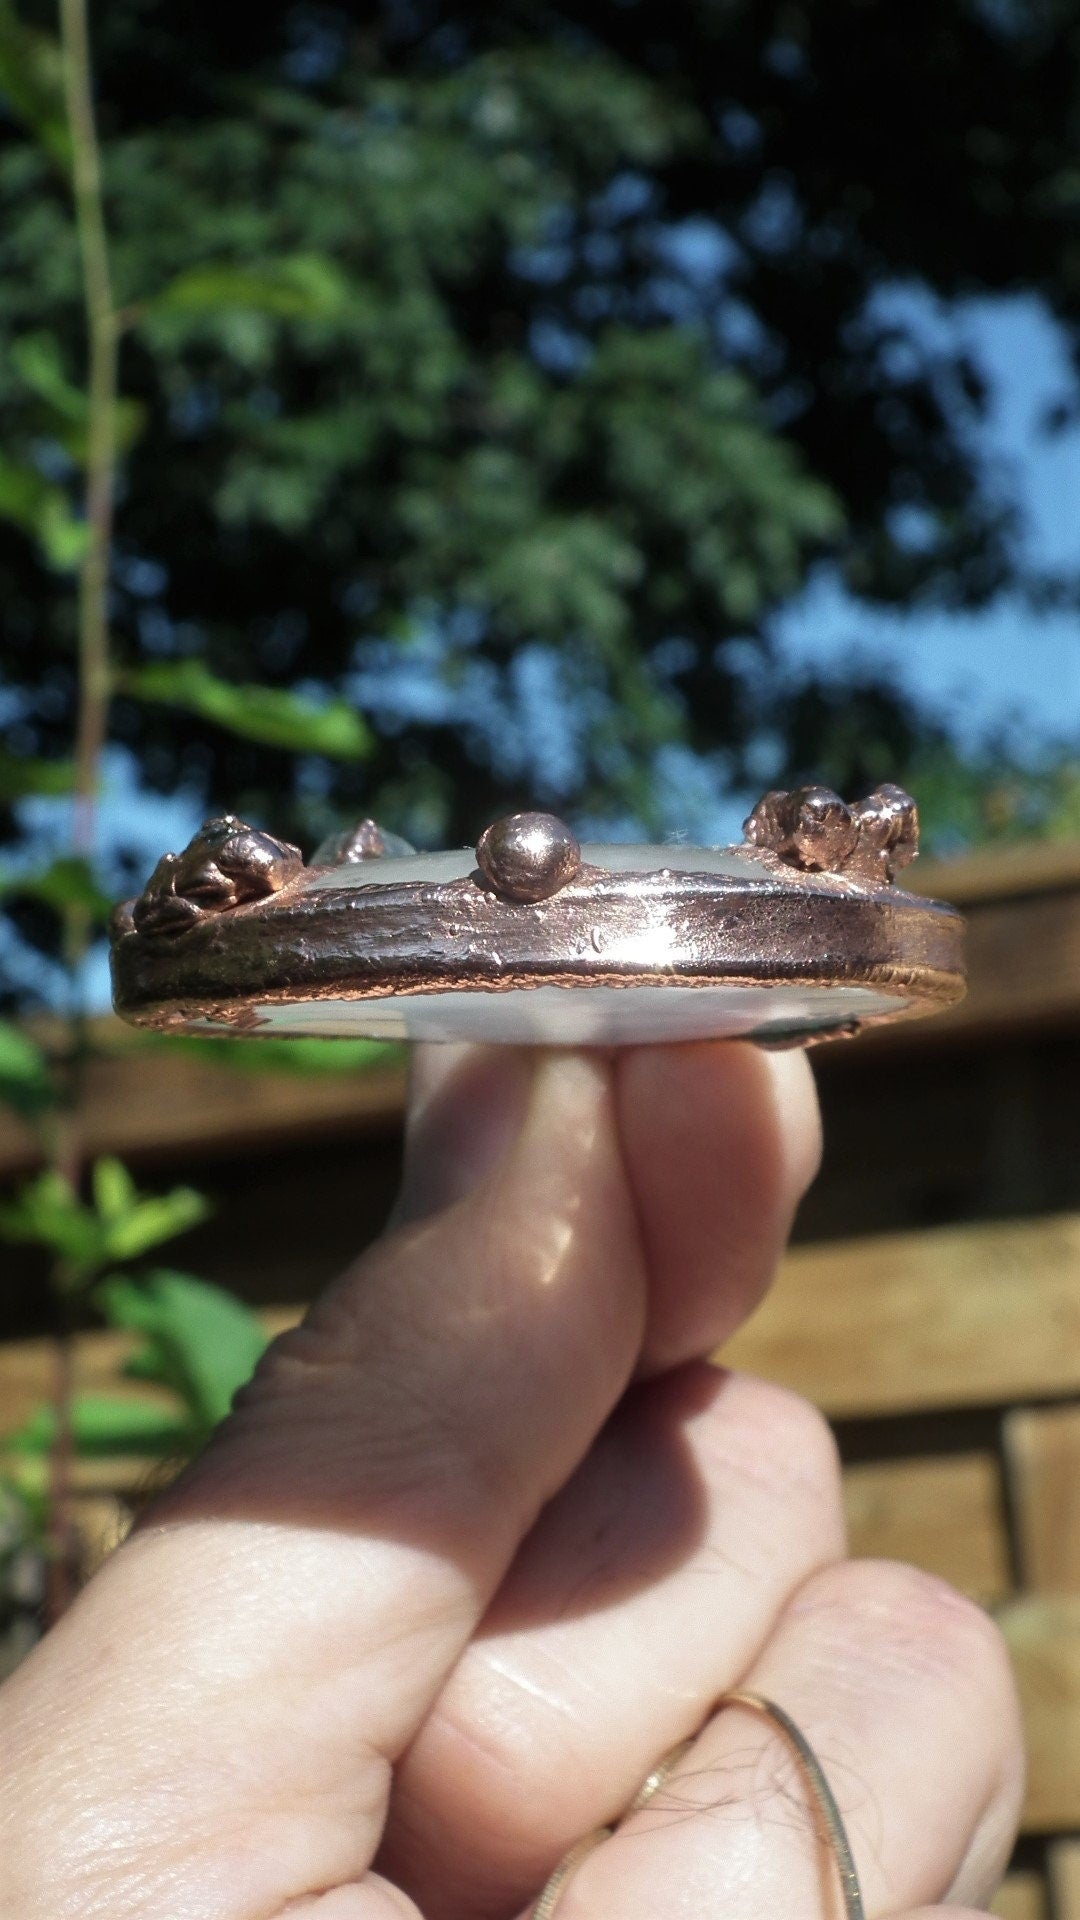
<point x="888" y="823"/>
<point x="528" y="856"/>
<point x="813" y="829"/>
<point x="366" y="840"/>
<point x="226" y="865"/>
<point x="810" y="828"/>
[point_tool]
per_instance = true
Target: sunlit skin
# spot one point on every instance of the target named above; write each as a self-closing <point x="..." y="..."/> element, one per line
<point x="485" y="1537"/>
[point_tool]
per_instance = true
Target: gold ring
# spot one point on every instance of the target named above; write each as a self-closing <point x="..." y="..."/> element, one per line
<point x="829" y="1823"/>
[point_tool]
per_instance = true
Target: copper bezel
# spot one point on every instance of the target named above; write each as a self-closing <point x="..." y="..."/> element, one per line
<point x="205" y="957"/>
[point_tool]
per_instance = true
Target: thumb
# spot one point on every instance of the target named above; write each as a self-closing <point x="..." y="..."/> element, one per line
<point x="465" y="1109"/>
<point x="209" y="1732"/>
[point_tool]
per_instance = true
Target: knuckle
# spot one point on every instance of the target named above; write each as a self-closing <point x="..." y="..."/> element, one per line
<point x="907" y="1642"/>
<point x="374" y="1425"/>
<point x="779" y="1441"/>
<point x="913" y="1621"/>
<point x="516" y="1771"/>
<point x="803" y="1431"/>
<point x="773" y="1464"/>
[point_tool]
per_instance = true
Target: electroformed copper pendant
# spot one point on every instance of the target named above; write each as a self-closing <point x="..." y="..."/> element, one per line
<point x="795" y="935"/>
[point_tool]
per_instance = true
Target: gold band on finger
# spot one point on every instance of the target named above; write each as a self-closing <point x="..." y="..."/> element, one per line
<point x="830" y="1822"/>
<point x="567" y="1867"/>
<point x="827" y="1814"/>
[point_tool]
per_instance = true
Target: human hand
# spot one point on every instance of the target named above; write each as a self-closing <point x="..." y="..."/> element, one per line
<point x="485" y="1537"/>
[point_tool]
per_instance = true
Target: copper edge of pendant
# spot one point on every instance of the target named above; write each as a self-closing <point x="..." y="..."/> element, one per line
<point x="237" y="921"/>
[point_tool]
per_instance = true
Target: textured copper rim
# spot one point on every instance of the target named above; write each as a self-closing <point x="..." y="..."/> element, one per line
<point x="370" y="941"/>
<point x="238" y="922"/>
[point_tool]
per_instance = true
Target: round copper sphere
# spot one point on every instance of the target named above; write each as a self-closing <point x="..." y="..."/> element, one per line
<point x="528" y="856"/>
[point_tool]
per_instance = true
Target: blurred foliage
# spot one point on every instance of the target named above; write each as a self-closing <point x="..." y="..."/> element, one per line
<point x="194" y="1340"/>
<point x="26" y="1084"/>
<point x="118" y="1224"/>
<point x="197" y="1340"/>
<point x="295" y="1055"/>
<point x="500" y="371"/>
<point x="272" y="715"/>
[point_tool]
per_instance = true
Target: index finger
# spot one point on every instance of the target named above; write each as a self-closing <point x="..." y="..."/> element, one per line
<point x="239" y="1679"/>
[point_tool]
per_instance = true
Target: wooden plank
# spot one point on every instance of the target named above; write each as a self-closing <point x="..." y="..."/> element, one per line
<point x="959" y="1316"/>
<point x="26" y="1373"/>
<point x="119" y="1477"/>
<point x="1042" y="1450"/>
<point x="1044" y="1640"/>
<point x="997" y="873"/>
<point x="943" y="1514"/>
<point x="1064" y="1864"/>
<point x="986" y="1132"/>
<point x="1022" y="1897"/>
<point x="1024" y="965"/>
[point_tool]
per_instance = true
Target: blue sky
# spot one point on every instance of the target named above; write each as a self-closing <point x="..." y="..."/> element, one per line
<point x="1005" y="663"/>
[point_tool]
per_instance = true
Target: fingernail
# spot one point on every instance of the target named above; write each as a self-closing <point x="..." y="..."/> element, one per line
<point x="467" y="1105"/>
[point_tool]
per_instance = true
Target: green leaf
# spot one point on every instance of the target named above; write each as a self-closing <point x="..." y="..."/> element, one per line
<point x="31" y="80"/>
<point x="48" y="1213"/>
<point x="299" y="1056"/>
<point x="19" y="776"/>
<point x="24" y="1506"/>
<point x="121" y="1225"/>
<point x="297" y="287"/>
<point x="67" y="882"/>
<point x="128" y="1223"/>
<point x="42" y="510"/>
<point x="22" y="489"/>
<point x="272" y="715"/>
<point x="199" y="1340"/>
<point x="104" y="1424"/>
<point x="64" y="538"/>
<point x="26" y="1083"/>
<point x="115" y="1192"/>
<point x="127" y="1235"/>
<point x="37" y="358"/>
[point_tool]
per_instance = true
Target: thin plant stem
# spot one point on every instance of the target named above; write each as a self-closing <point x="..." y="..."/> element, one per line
<point x="103" y="334"/>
